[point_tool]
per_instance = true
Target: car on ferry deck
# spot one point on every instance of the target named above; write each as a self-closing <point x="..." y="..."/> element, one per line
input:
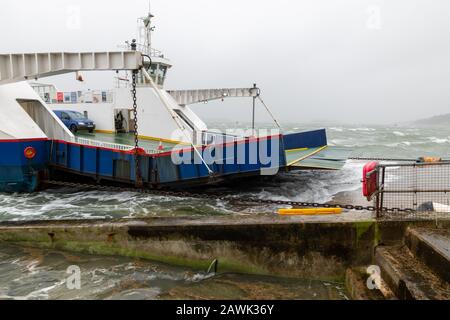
<point x="75" y="120"/>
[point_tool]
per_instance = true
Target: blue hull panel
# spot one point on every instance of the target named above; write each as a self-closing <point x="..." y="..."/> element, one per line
<point x="310" y="139"/>
<point x="159" y="169"/>
<point x="17" y="173"/>
<point x="247" y="157"/>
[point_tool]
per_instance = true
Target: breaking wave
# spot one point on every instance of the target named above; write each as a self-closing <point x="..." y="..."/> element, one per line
<point x="438" y="140"/>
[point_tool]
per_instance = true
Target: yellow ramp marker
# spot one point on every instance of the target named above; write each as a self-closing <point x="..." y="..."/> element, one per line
<point x="310" y="212"/>
<point x="313" y="153"/>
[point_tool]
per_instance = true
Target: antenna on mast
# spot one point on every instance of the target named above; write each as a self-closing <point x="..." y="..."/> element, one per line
<point x="147" y="34"/>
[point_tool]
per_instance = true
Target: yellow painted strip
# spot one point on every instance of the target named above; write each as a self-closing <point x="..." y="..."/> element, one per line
<point x="148" y="138"/>
<point x="299" y="149"/>
<point x="307" y="156"/>
<point x="105" y="131"/>
<point x="310" y="212"/>
<point x="163" y="140"/>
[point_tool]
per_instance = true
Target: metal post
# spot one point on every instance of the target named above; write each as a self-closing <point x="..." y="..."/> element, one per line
<point x="383" y="181"/>
<point x="377" y="198"/>
<point x="380" y="194"/>
<point x="254" y="108"/>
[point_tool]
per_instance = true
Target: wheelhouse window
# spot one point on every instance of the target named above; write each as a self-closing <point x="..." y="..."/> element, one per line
<point x="153" y="69"/>
<point x="162" y="70"/>
<point x="157" y="72"/>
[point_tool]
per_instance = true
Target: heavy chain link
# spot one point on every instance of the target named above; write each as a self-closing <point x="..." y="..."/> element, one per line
<point x="212" y="196"/>
<point x="136" y="133"/>
<point x="382" y="159"/>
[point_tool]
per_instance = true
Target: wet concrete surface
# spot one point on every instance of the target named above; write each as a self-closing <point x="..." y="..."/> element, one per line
<point x="347" y="216"/>
<point x="317" y="247"/>
<point x="438" y="238"/>
<point x="432" y="247"/>
<point x="408" y="277"/>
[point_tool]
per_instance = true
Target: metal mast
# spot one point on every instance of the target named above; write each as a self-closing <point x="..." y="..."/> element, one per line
<point x="146" y="32"/>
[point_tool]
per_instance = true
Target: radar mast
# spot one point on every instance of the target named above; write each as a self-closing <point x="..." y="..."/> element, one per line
<point x="145" y="32"/>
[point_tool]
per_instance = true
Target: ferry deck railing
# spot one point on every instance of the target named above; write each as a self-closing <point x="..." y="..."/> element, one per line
<point x="207" y="138"/>
<point x="144" y="49"/>
<point x="110" y="145"/>
<point x="210" y="138"/>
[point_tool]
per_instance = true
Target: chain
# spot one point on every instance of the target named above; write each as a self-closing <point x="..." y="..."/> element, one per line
<point x="382" y="159"/>
<point x="389" y="159"/>
<point x="136" y="134"/>
<point x="212" y="196"/>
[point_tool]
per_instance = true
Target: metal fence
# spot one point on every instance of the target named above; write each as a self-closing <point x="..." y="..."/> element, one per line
<point x="413" y="190"/>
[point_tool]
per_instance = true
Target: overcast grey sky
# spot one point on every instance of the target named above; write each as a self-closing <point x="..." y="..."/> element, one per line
<point x="346" y="60"/>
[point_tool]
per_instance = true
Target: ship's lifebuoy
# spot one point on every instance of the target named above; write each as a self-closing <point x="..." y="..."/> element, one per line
<point x="370" y="180"/>
<point x="29" y="153"/>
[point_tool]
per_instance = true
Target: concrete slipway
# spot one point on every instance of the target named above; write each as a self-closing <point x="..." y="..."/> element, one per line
<point x="306" y="247"/>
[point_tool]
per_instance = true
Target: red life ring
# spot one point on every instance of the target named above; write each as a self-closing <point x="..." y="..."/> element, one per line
<point x="29" y="153"/>
<point x="370" y="180"/>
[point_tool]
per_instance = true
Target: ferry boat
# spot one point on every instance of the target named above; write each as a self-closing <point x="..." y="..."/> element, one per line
<point x="174" y="146"/>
